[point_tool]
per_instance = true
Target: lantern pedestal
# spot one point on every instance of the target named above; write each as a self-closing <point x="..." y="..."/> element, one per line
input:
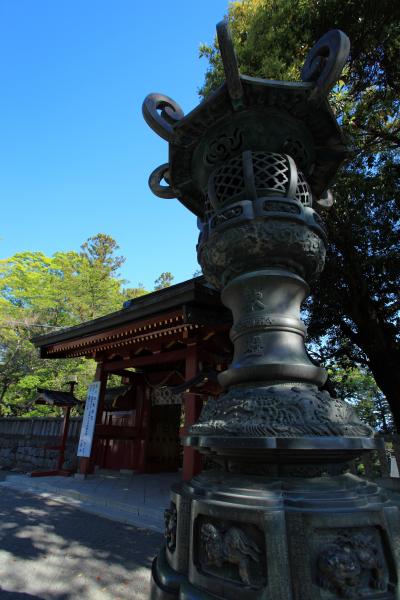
<point x="277" y="537"/>
<point x="279" y="516"/>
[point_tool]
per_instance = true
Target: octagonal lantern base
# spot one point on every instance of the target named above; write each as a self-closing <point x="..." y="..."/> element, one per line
<point x="259" y="538"/>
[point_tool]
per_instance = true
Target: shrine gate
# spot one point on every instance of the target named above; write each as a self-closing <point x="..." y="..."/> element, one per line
<point x="166" y="347"/>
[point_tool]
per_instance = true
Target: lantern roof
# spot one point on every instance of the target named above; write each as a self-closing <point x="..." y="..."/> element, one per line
<point x="248" y="113"/>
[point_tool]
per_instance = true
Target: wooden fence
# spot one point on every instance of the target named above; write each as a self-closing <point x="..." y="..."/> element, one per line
<point x="38" y="426"/>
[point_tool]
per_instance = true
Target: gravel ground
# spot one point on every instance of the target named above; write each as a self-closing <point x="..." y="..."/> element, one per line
<point x="51" y="551"/>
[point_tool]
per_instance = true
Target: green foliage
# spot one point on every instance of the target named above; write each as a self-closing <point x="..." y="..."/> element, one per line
<point x="358" y="387"/>
<point x="64" y="289"/>
<point x="164" y="281"/>
<point x="135" y="292"/>
<point x="41" y="294"/>
<point x="354" y="314"/>
<point x="99" y="290"/>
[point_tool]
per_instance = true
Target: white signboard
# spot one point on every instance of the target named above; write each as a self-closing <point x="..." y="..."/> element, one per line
<point x="89" y="420"/>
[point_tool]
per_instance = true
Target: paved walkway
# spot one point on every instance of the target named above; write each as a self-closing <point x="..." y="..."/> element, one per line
<point x="134" y="499"/>
<point x="50" y="549"/>
<point x="54" y="551"/>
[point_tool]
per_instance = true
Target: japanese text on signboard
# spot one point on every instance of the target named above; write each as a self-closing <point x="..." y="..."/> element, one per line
<point x="89" y="420"/>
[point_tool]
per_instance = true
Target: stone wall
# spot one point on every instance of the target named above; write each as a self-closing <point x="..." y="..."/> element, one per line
<point x="22" y="443"/>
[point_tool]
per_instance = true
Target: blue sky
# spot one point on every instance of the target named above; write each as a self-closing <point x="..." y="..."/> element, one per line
<point x="75" y="153"/>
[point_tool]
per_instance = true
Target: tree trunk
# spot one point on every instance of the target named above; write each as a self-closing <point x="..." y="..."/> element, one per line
<point x="388" y="380"/>
<point x="377" y="340"/>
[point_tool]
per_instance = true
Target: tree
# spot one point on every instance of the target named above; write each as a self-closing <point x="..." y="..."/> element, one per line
<point x="22" y="371"/>
<point x="99" y="286"/>
<point x="355" y="310"/>
<point x="100" y="250"/>
<point x="40" y="294"/>
<point x="135" y="292"/>
<point x="358" y="387"/>
<point x="164" y="281"/>
<point x="16" y="359"/>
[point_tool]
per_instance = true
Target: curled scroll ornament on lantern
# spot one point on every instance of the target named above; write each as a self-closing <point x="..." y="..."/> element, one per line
<point x="161" y="113"/>
<point x="325" y="62"/>
<point x="229" y="61"/>
<point x="158" y="175"/>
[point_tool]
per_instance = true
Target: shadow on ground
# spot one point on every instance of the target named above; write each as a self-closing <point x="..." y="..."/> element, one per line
<point x="17" y="596"/>
<point x="51" y="551"/>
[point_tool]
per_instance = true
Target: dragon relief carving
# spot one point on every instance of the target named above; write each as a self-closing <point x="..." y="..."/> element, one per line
<point x="349" y="565"/>
<point x="229" y="546"/>
<point x="279" y="411"/>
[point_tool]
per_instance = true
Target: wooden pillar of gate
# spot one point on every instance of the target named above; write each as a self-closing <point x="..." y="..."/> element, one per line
<point x="192" y="459"/>
<point x="86" y="465"/>
<point x="145" y="422"/>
